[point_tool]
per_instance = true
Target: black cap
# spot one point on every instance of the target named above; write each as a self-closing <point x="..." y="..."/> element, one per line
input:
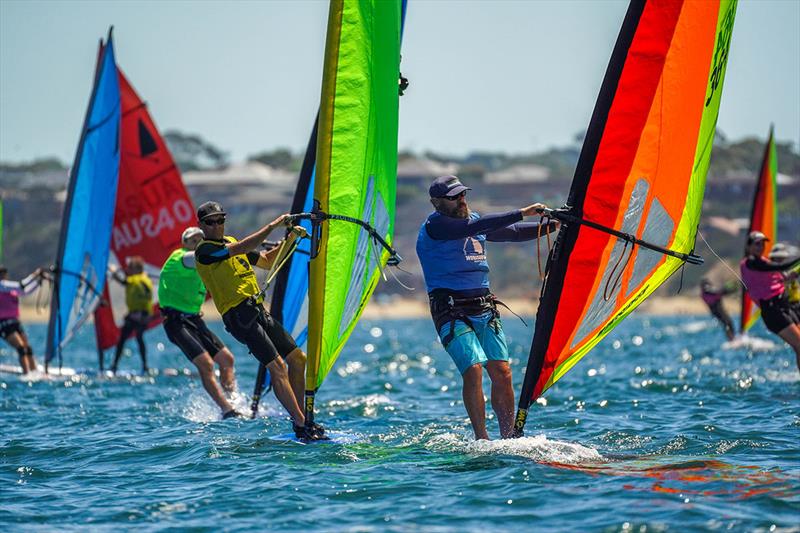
<point x="756" y="236"/>
<point x="208" y="209"/>
<point x="445" y="186"/>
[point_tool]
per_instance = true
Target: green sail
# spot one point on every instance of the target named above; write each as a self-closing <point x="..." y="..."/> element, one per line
<point x="356" y="172"/>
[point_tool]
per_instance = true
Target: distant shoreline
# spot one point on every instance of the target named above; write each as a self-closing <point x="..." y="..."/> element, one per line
<point x="417" y="308"/>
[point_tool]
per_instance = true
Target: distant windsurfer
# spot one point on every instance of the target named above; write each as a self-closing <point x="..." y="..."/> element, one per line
<point x="10" y="326"/>
<point x="226" y="267"/>
<point x="765" y="281"/>
<point x="181" y="294"/>
<point x="139" y="300"/>
<point x="451" y="248"/>
<point x="713" y="299"/>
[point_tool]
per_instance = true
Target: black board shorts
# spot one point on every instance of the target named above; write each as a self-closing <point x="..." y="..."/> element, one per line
<point x="10" y="326"/>
<point x="265" y="337"/>
<point x="191" y="334"/>
<point x="778" y="313"/>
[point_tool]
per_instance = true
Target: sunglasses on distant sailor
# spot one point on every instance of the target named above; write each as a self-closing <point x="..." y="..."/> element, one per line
<point x="213" y="221"/>
<point x="462" y="194"/>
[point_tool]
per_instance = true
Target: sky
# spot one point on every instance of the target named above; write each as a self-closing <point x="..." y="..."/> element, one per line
<point x="511" y="76"/>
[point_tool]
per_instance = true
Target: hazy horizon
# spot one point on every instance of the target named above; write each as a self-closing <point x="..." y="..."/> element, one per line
<point x="502" y="76"/>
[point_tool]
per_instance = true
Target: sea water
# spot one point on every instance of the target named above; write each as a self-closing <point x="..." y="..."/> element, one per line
<point x="659" y="427"/>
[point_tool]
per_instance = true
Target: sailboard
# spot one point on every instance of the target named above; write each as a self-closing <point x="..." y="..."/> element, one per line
<point x="290" y="300"/>
<point x="356" y="175"/>
<point x="79" y="272"/>
<point x="634" y="204"/>
<point x="763" y="218"/>
<point x="152" y="206"/>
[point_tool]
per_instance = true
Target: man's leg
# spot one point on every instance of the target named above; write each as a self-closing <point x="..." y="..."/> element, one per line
<point x="224" y="358"/>
<point x="126" y="330"/>
<point x="20" y="343"/>
<point x="502" y="395"/>
<point x="142" y="347"/>
<point x="283" y="390"/>
<point x="474" y="403"/>
<point x="719" y="312"/>
<point x="205" y="367"/>
<point x="296" y="360"/>
<point x="791" y="334"/>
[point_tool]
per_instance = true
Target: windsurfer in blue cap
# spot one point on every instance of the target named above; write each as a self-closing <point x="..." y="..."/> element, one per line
<point x="451" y="248"/>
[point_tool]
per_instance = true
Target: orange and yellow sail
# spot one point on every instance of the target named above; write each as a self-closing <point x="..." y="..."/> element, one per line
<point x="641" y="171"/>
<point x="763" y="218"/>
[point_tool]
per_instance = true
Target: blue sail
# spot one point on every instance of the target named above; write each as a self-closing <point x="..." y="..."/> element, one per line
<point x="290" y="296"/>
<point x="80" y="267"/>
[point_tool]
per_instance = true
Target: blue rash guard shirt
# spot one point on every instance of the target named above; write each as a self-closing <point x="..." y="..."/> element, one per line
<point x="452" y="250"/>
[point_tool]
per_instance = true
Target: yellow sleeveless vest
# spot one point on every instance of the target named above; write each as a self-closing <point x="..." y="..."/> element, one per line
<point x="231" y="281"/>
<point x="139" y="293"/>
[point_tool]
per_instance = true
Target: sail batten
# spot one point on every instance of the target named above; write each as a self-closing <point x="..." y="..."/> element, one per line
<point x="641" y="172"/>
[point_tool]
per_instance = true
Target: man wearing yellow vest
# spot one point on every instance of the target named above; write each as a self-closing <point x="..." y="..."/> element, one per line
<point x="181" y="294"/>
<point x="226" y="267"/>
<point x="139" y="299"/>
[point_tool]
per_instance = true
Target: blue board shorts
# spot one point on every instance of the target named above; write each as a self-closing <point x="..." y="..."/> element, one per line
<point x="476" y="345"/>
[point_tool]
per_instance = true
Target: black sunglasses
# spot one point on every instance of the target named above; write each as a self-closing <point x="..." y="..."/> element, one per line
<point x="214" y="221"/>
<point x="462" y="194"/>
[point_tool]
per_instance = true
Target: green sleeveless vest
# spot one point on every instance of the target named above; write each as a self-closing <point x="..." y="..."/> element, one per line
<point x="180" y="287"/>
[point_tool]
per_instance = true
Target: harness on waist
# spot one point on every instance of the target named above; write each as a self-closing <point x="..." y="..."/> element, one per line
<point x="170" y="313"/>
<point x="448" y="307"/>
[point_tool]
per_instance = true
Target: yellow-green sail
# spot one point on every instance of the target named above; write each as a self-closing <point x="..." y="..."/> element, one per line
<point x="356" y="172"/>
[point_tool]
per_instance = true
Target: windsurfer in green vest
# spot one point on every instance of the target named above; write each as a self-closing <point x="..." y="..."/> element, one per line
<point x="139" y="300"/>
<point x="181" y="294"/>
<point x="226" y="267"/>
<point x="452" y="250"/>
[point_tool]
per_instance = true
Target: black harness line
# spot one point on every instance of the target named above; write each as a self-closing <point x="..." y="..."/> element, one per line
<point x="448" y="307"/>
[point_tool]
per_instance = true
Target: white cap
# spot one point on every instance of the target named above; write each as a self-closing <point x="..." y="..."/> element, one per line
<point x="190" y="232"/>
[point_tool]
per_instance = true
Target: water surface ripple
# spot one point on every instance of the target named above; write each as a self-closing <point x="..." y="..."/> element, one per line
<point x="659" y="428"/>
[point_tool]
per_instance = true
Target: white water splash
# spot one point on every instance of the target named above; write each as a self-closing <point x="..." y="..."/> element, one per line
<point x="745" y="342"/>
<point x="200" y="408"/>
<point x="538" y="448"/>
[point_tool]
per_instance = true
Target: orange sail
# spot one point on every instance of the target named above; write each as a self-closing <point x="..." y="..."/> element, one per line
<point x="763" y="218"/>
<point x="641" y="174"/>
<point x="152" y="208"/>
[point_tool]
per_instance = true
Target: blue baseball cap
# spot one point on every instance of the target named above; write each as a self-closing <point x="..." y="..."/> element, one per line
<point x="447" y="186"/>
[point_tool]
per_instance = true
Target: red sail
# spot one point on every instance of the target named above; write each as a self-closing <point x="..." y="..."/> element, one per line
<point x="153" y="207"/>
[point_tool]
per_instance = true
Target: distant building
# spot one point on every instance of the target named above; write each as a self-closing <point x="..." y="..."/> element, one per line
<point x="421" y="171"/>
<point x="244" y="185"/>
<point x="518" y="174"/>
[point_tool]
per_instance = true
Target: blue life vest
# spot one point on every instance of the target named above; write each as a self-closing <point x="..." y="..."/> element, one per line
<point x="455" y="264"/>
